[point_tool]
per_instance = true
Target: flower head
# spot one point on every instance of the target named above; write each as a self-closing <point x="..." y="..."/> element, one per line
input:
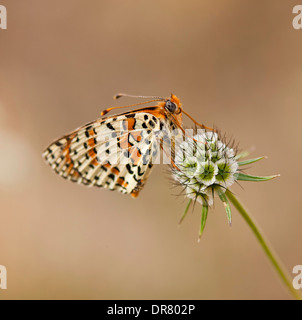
<point x="204" y="166"/>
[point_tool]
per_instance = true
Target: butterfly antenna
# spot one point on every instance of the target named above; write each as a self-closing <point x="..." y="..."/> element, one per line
<point x="131" y="105"/>
<point x="119" y="95"/>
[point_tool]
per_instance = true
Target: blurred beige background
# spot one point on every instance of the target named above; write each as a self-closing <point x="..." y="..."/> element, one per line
<point x="235" y="64"/>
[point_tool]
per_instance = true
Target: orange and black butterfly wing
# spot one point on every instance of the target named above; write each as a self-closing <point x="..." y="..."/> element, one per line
<point x="115" y="153"/>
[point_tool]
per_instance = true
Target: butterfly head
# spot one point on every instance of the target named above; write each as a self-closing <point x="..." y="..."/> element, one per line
<point x="172" y="105"/>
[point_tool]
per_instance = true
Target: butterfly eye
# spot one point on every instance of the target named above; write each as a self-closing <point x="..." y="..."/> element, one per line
<point x="170" y="106"/>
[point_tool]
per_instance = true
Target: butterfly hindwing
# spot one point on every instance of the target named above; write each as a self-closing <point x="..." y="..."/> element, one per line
<point x="115" y="153"/>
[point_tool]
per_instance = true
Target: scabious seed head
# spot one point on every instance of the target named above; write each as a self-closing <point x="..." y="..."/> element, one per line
<point x="205" y="163"/>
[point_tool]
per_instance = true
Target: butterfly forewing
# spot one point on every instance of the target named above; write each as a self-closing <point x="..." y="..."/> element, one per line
<point x="115" y="153"/>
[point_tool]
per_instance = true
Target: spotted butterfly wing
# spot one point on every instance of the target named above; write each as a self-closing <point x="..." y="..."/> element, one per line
<point x="117" y="152"/>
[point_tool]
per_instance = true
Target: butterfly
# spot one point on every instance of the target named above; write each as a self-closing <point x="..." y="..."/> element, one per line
<point x="119" y="151"/>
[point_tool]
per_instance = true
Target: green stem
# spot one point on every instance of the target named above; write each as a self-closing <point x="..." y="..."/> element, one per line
<point x="285" y="277"/>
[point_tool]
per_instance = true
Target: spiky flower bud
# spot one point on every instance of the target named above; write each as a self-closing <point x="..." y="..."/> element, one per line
<point x="205" y="166"/>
